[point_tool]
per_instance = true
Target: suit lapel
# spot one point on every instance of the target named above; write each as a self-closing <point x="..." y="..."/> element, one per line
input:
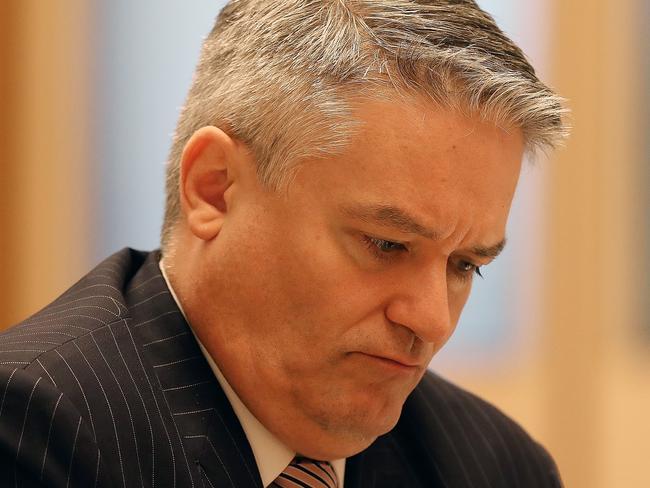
<point x="226" y="451"/>
<point x="213" y="442"/>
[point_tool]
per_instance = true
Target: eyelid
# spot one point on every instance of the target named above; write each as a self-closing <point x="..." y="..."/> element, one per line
<point x="471" y="258"/>
<point x="371" y="244"/>
<point x="464" y="275"/>
<point x="391" y="241"/>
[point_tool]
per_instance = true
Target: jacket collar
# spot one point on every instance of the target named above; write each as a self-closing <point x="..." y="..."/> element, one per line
<point x="212" y="438"/>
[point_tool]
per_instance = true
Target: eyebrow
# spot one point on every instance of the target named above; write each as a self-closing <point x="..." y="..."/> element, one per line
<point x="389" y="216"/>
<point x="491" y="251"/>
<point x="399" y="219"/>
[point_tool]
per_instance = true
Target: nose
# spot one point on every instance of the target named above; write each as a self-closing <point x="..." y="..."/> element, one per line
<point x="421" y="304"/>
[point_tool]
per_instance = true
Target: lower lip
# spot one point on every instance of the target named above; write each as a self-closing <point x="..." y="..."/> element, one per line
<point x="389" y="364"/>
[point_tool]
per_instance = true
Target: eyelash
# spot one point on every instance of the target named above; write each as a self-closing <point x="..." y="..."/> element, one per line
<point x="474" y="269"/>
<point x="374" y="245"/>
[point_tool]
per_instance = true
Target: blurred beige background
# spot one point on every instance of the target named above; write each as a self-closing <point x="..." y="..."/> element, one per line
<point x="582" y="389"/>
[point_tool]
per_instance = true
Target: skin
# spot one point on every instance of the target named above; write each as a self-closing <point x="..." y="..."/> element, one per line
<point x="323" y="305"/>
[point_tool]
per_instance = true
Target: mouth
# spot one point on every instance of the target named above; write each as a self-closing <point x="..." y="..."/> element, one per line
<point x="391" y="363"/>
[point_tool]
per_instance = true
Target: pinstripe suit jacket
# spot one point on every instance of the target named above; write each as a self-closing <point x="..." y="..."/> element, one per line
<point x="106" y="387"/>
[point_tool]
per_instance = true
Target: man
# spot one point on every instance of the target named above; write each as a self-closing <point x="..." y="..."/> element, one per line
<point x="339" y="173"/>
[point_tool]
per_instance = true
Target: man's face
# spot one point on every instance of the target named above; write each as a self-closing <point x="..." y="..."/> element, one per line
<point x="323" y="305"/>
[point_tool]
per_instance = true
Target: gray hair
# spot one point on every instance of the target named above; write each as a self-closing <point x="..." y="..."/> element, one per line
<point x="280" y="75"/>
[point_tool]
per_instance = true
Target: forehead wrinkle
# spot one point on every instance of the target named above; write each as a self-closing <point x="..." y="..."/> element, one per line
<point x="389" y="216"/>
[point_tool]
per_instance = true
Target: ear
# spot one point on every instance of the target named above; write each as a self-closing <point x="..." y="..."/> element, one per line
<point x="207" y="171"/>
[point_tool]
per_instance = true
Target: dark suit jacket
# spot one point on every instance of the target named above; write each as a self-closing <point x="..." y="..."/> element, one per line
<point x="106" y="387"/>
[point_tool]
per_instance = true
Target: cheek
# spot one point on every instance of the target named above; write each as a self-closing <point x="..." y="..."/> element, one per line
<point x="318" y="277"/>
<point x="287" y="287"/>
<point x="296" y="284"/>
<point x="457" y="300"/>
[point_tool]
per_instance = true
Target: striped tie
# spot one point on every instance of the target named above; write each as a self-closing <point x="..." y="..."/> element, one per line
<point x="306" y="473"/>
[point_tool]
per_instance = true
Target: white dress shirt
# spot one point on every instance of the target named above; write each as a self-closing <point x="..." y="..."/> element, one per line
<point x="271" y="455"/>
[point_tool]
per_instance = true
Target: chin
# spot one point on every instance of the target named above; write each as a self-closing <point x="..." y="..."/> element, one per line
<point x="349" y="433"/>
<point x="337" y="447"/>
<point x="344" y="422"/>
<point x="343" y="444"/>
<point x="378" y="413"/>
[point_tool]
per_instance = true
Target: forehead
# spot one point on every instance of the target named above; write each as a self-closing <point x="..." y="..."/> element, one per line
<point x="423" y="129"/>
<point x="417" y="145"/>
<point x="444" y="167"/>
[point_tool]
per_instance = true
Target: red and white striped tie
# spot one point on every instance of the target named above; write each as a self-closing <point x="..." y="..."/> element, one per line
<point x="306" y="473"/>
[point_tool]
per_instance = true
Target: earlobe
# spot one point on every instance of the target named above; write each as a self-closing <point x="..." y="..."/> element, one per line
<point x="204" y="224"/>
<point x="206" y="173"/>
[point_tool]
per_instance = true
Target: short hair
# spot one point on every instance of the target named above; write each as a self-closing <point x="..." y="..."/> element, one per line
<point x="280" y="76"/>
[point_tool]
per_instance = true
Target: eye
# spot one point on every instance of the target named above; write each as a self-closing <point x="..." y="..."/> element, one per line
<point x="383" y="249"/>
<point x="464" y="269"/>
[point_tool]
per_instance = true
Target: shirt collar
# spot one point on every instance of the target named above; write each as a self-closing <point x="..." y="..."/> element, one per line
<point x="271" y="455"/>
